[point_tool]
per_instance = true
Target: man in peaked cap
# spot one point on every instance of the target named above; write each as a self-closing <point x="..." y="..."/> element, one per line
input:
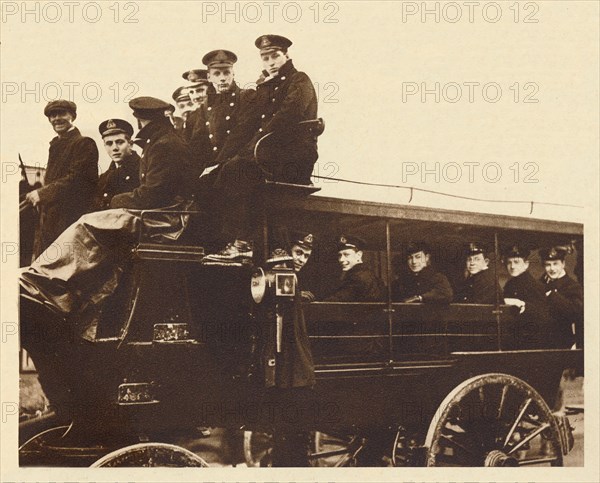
<point x="197" y="85"/>
<point x="526" y="293"/>
<point x="184" y="105"/>
<point x="480" y="285"/>
<point x="166" y="170"/>
<point x="285" y="98"/>
<point x="214" y="134"/>
<point x="122" y="175"/>
<point x="565" y="297"/>
<point x="421" y="282"/>
<point x="358" y="283"/>
<point x="71" y="176"/>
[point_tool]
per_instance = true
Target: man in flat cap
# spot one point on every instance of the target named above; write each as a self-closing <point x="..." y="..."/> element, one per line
<point x="122" y="175"/>
<point x="534" y="324"/>
<point x="565" y="297"/>
<point x="285" y="98"/>
<point x="421" y="282"/>
<point x="358" y="283"/>
<point x="480" y="285"/>
<point x="71" y="176"/>
<point x="166" y="170"/>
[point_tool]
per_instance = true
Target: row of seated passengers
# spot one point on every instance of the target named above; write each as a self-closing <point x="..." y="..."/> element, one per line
<point x="554" y="303"/>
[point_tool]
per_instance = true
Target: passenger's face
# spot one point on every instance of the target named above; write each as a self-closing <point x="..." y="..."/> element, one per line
<point x="554" y="268"/>
<point x="198" y="94"/>
<point x="477" y="263"/>
<point x="300" y="256"/>
<point x="273" y="61"/>
<point x="117" y="146"/>
<point x="515" y="266"/>
<point x="417" y="261"/>
<point x="221" y="78"/>
<point x="61" y="120"/>
<point x="349" y="258"/>
<point x="185" y="106"/>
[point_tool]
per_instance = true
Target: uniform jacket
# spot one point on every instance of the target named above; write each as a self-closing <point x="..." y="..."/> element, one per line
<point x="117" y="180"/>
<point x="535" y="327"/>
<point x="211" y="134"/>
<point x="480" y="288"/>
<point x="70" y="184"/>
<point x="166" y="170"/>
<point x="358" y="284"/>
<point x="432" y="286"/>
<point x="566" y="306"/>
<point x="281" y="103"/>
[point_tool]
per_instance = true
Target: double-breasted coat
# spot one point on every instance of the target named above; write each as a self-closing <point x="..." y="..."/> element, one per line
<point x="480" y="288"/>
<point x="69" y="186"/>
<point x="432" y="286"/>
<point x="118" y="179"/>
<point x="565" y="298"/>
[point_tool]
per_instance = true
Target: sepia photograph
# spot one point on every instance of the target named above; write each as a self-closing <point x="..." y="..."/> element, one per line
<point x="300" y="241"/>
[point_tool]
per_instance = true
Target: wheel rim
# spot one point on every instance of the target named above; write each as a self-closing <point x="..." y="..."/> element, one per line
<point x="258" y="448"/>
<point x="151" y="455"/>
<point x="493" y="420"/>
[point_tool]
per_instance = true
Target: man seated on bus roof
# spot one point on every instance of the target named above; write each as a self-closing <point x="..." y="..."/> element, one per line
<point x="533" y="330"/>
<point x="421" y="283"/>
<point x="358" y="283"/>
<point x="564" y="295"/>
<point x="480" y="285"/>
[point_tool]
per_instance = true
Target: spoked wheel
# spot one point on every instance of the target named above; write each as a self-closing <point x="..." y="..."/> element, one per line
<point x="258" y="449"/>
<point x="493" y="420"/>
<point x="335" y="450"/>
<point x="151" y="454"/>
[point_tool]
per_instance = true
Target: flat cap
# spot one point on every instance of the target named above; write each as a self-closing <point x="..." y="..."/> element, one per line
<point x="475" y="248"/>
<point x="269" y="42"/>
<point x="219" y="58"/>
<point x="60" y="104"/>
<point x="180" y="94"/>
<point x="195" y="77"/>
<point x="303" y="240"/>
<point x="416" y="247"/>
<point x="115" y="126"/>
<point x="345" y="242"/>
<point x="149" y="107"/>
<point x="553" y="253"/>
<point x="516" y="251"/>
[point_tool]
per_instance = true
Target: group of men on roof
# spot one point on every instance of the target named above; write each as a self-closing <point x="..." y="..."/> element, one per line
<point x="219" y="152"/>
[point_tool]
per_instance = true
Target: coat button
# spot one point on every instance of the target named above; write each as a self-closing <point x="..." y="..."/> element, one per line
<point x="215" y="148"/>
<point x="260" y="129"/>
<point x="105" y="195"/>
<point x="273" y="100"/>
<point x="209" y="108"/>
<point x="207" y="123"/>
<point x="210" y="136"/>
<point x="232" y="104"/>
<point x="283" y="78"/>
<point x="147" y="141"/>
<point x="127" y="178"/>
<point x="143" y="175"/>
<point x="227" y="118"/>
<point x="233" y="94"/>
<point x="276" y="88"/>
<point x="263" y="116"/>
<point x="228" y="131"/>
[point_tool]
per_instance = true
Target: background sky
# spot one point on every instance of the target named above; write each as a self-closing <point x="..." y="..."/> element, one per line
<point x="370" y="64"/>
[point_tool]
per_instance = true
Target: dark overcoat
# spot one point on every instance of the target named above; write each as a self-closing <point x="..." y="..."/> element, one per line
<point x="118" y="179"/>
<point x="480" y="288"/>
<point x="432" y="286"/>
<point x="358" y="284"/>
<point x="566" y="307"/>
<point x="69" y="186"/>
<point x="166" y="170"/>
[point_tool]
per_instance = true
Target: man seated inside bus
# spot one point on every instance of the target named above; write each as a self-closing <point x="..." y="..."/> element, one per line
<point x="564" y="296"/>
<point x="479" y="285"/>
<point x="421" y="282"/>
<point x="534" y="324"/>
<point x="358" y="283"/>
